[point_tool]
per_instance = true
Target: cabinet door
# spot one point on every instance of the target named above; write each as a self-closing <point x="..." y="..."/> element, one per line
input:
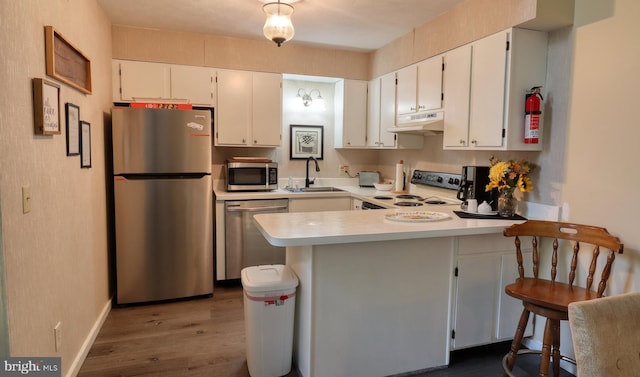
<point x="234" y="110"/>
<point x="195" y="84"/>
<point x="430" y="84"/>
<point x="457" y="84"/>
<point x="381" y="113"/>
<point x="488" y="79"/>
<point x="407" y="89"/>
<point x="373" y="113"/>
<point x="266" y="126"/>
<point x="350" y="114"/>
<point x="387" y="109"/>
<point x="476" y="297"/>
<point x="320" y="204"/>
<point x="142" y="81"/>
<point x="509" y="308"/>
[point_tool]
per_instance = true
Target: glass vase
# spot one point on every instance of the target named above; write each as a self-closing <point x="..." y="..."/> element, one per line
<point x="507" y="204"/>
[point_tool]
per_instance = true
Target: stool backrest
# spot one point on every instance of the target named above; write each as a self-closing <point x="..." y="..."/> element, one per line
<point x="580" y="234"/>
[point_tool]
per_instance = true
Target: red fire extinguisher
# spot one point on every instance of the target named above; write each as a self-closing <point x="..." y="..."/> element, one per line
<point x="532" y="115"/>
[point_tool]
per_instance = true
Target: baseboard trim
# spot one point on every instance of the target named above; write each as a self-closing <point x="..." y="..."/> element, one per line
<point x="88" y="342"/>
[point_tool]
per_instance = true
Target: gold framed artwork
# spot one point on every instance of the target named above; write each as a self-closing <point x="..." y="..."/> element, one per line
<point x="46" y="107"/>
<point x="65" y="62"/>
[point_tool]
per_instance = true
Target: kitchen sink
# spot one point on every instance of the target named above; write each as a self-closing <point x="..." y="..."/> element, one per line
<point x="316" y="189"/>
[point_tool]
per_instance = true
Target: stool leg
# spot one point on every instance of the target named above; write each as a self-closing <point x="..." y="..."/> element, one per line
<point x="555" y="327"/>
<point x="517" y="340"/>
<point x="547" y="341"/>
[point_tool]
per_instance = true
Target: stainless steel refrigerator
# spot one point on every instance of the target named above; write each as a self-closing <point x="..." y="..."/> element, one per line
<point x="163" y="203"/>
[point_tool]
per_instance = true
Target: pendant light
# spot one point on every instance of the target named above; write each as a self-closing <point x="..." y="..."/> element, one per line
<point x="278" y="26"/>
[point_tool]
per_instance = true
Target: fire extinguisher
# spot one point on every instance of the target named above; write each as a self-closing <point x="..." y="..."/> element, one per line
<point x="532" y="115"/>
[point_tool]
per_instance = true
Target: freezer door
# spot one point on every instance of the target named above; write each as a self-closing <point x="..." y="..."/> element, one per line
<point x="164" y="238"/>
<point x="161" y="141"/>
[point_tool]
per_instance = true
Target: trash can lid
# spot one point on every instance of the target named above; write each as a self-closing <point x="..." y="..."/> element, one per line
<point x="268" y="278"/>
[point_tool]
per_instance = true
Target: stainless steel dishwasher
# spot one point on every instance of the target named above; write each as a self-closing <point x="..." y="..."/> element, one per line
<point x="244" y="244"/>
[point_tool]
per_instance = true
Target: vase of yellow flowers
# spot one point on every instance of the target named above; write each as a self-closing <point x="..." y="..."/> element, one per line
<point x="510" y="178"/>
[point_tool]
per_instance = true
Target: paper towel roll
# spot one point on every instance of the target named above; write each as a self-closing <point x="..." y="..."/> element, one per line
<point x="400" y="176"/>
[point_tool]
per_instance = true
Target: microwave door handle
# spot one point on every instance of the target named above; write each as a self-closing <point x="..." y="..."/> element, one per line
<point x="266" y="181"/>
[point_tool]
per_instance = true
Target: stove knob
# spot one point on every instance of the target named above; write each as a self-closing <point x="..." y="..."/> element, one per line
<point x="456" y="181"/>
<point x="439" y="179"/>
<point x="450" y="181"/>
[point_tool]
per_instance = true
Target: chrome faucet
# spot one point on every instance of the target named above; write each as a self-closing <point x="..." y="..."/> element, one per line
<point x="307" y="181"/>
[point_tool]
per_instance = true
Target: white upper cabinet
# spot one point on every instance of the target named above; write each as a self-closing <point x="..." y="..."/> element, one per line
<point x="456" y="87"/>
<point x="381" y="116"/>
<point x="420" y="86"/>
<point x="195" y="84"/>
<point x="381" y="113"/>
<point x="350" y="100"/>
<point x="143" y="81"/>
<point x="485" y="83"/>
<point x="249" y="109"/>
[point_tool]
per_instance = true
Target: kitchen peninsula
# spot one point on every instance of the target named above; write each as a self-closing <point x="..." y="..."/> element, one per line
<point x="376" y="297"/>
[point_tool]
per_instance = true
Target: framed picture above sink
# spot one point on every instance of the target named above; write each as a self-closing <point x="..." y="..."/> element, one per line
<point x="306" y="141"/>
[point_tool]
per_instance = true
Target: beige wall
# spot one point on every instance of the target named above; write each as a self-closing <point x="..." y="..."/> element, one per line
<point x="237" y="53"/>
<point x="601" y="179"/>
<point x="55" y="257"/>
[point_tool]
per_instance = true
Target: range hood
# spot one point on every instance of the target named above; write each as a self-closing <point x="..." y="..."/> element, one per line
<point x="423" y="123"/>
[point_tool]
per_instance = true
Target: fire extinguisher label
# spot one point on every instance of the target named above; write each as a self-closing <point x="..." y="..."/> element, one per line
<point x="532" y="127"/>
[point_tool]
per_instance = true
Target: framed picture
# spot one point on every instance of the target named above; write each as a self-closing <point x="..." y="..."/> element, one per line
<point x="46" y="107"/>
<point x="65" y="62"/>
<point x="72" y="113"/>
<point x="306" y="141"/>
<point x="85" y="144"/>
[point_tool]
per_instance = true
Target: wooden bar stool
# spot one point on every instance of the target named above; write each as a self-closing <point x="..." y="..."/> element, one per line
<point x="550" y="298"/>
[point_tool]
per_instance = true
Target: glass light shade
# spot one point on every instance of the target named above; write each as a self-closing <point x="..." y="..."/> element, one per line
<point x="278" y="26"/>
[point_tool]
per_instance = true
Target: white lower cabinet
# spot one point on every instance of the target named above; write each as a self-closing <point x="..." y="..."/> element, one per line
<point x="320" y="204"/>
<point x="482" y="312"/>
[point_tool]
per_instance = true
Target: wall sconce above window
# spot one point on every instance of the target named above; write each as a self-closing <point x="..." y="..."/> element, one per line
<point x="307" y="99"/>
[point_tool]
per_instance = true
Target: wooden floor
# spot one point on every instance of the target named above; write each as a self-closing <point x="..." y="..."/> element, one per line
<point x="205" y="337"/>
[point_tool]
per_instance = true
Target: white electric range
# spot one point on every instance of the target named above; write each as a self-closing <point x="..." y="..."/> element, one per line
<point x="427" y="189"/>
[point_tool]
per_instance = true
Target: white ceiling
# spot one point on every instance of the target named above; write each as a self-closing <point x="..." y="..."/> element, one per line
<point x="352" y="24"/>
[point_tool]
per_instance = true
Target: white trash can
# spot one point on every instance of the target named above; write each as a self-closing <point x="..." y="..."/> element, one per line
<point x="269" y="308"/>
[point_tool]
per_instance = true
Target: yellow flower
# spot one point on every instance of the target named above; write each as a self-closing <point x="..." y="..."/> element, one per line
<point x="509" y="175"/>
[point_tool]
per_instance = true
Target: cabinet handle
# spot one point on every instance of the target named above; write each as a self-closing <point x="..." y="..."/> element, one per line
<point x="255" y="142"/>
<point x="422" y="107"/>
<point x="474" y="141"/>
<point x="462" y="142"/>
<point x="413" y="108"/>
<point x="244" y="141"/>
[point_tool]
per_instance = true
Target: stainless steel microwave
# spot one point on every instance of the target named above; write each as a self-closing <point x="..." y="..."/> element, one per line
<point x="252" y="176"/>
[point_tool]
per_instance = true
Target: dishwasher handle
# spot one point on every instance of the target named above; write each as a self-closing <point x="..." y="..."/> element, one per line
<point x="232" y="208"/>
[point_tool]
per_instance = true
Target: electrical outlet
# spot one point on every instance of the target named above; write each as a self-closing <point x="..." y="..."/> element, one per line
<point x="57" y="333"/>
<point x="343" y="169"/>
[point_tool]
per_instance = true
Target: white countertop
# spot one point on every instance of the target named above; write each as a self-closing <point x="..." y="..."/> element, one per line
<point x="336" y="227"/>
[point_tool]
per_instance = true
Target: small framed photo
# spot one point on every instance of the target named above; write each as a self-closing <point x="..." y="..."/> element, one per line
<point x="306" y="141"/>
<point x="85" y="144"/>
<point x="46" y="107"/>
<point x="72" y="113"/>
